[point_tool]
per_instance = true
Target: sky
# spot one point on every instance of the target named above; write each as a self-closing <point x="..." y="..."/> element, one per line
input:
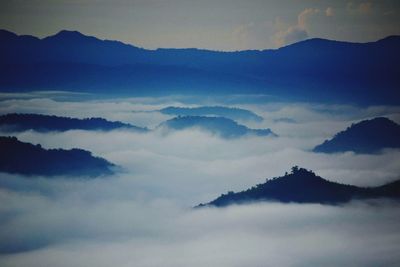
<point x="211" y="24"/>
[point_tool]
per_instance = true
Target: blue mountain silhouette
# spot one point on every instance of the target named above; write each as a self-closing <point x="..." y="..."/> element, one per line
<point x="227" y="112"/>
<point x="223" y="127"/>
<point x="22" y="122"/>
<point x="304" y="186"/>
<point x="28" y="159"/>
<point x="368" y="136"/>
<point x="315" y="69"/>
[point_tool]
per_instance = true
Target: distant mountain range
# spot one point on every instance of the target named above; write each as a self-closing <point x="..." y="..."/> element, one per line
<point x="28" y="159"/>
<point x="227" y="112"/>
<point x="304" y="186"/>
<point x="315" y="69"/>
<point x="21" y="122"/>
<point x="368" y="136"/>
<point x="223" y="127"/>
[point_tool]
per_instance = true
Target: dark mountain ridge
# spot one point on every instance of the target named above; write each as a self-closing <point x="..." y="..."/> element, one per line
<point x="22" y="122"/>
<point x="223" y="127"/>
<point x="314" y="69"/>
<point x="27" y="159"/>
<point x="367" y="136"/>
<point x="304" y="186"/>
<point x="220" y="126"/>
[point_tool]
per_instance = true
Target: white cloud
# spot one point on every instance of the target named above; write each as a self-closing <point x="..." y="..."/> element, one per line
<point x="142" y="216"/>
<point x="363" y="8"/>
<point x="354" y="21"/>
<point x="209" y="165"/>
<point x="305" y="16"/>
<point x="297" y="32"/>
<point x="291" y="35"/>
<point x="125" y="233"/>
<point x="330" y="12"/>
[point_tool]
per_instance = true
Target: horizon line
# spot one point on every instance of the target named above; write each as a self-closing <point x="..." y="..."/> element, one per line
<point x="190" y="48"/>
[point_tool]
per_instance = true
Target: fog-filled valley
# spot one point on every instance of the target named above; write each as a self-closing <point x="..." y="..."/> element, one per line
<point x="223" y="133"/>
<point x="142" y="214"/>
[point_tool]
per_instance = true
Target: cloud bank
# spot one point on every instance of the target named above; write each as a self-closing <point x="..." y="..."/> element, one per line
<point x="143" y="217"/>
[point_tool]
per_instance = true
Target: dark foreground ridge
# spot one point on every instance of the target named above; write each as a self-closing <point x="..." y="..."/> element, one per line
<point x="368" y="136"/>
<point x="44" y="123"/>
<point x="304" y="186"/>
<point x="223" y="127"/>
<point x="227" y="112"/>
<point x="24" y="158"/>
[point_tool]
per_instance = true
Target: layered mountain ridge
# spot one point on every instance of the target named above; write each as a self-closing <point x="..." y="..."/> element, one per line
<point x="315" y="69"/>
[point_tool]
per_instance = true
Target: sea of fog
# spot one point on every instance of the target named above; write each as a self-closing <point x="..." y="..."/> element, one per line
<point x="143" y="215"/>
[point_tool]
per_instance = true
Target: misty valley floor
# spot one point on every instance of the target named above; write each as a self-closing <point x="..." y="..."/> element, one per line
<point x="142" y="215"/>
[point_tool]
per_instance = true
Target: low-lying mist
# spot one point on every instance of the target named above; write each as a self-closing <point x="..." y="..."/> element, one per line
<point x="79" y="230"/>
<point x="143" y="215"/>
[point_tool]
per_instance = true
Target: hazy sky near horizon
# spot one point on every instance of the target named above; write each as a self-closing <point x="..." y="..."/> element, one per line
<point x="210" y="24"/>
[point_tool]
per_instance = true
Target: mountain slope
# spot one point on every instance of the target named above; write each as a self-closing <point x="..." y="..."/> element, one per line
<point x="38" y="122"/>
<point x="314" y="69"/>
<point x="223" y="127"/>
<point x="368" y="136"/>
<point x="227" y="112"/>
<point x="303" y="186"/>
<point x="28" y="159"/>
